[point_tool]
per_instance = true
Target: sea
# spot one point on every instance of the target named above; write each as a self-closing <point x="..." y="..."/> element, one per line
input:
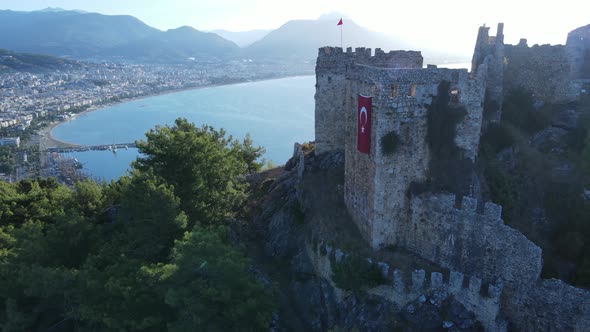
<point x="276" y="113"/>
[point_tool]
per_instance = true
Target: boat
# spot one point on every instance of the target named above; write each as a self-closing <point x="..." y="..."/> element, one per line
<point x="114" y="148"/>
<point x="126" y="147"/>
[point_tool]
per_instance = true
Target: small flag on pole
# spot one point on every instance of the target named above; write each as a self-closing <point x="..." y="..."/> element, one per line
<point x="340" y="24"/>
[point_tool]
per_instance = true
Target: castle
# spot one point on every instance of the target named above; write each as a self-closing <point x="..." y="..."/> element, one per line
<point x="459" y="233"/>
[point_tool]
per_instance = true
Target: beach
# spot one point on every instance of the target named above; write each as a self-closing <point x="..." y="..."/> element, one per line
<point x="46" y="139"/>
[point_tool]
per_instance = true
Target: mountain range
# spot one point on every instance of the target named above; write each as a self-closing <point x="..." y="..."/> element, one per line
<point x="35" y="63"/>
<point x="91" y="36"/>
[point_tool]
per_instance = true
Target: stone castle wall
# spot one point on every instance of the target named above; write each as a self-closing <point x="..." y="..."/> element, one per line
<point x="578" y="50"/>
<point x="331" y="66"/>
<point x="455" y="233"/>
<point x="461" y="236"/>
<point x="403" y="287"/>
<point x="489" y="52"/>
<point x="376" y="185"/>
<point x="543" y="70"/>
<point x="458" y="235"/>
<point x="549" y="305"/>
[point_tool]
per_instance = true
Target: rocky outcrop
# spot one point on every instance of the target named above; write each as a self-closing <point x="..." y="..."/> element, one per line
<point x="311" y="294"/>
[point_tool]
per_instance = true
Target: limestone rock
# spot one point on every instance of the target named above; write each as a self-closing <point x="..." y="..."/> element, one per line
<point x="315" y="303"/>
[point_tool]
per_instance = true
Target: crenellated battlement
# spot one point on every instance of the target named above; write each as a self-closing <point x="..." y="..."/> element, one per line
<point x="458" y="233"/>
<point x="404" y="286"/>
<point x="467" y="204"/>
<point x="336" y="57"/>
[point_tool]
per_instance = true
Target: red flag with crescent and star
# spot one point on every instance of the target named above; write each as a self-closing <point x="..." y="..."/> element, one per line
<point x="364" y="124"/>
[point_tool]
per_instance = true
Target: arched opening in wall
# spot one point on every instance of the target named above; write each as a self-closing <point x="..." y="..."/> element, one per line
<point x="454" y="93"/>
<point x="412" y="90"/>
<point x="393" y="93"/>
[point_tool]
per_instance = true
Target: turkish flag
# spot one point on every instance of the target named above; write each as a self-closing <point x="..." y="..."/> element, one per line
<point x="364" y="124"/>
<point x="339" y="22"/>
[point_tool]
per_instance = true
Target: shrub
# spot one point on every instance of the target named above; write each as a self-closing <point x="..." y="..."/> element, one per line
<point x="442" y="124"/>
<point x="390" y="143"/>
<point x="448" y="168"/>
<point x="354" y="272"/>
<point x="496" y="138"/>
<point x="518" y="110"/>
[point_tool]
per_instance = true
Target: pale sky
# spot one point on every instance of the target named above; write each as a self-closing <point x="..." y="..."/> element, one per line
<point x="444" y="25"/>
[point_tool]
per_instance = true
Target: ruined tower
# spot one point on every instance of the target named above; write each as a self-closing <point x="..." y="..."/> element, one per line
<point x="489" y="50"/>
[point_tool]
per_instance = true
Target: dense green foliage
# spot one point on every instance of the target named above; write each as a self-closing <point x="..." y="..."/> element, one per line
<point x="205" y="167"/>
<point x="7" y="161"/>
<point x="518" y="110"/>
<point x="530" y="177"/>
<point x="389" y="143"/>
<point x="123" y="256"/>
<point x="448" y="166"/>
<point x="354" y="273"/>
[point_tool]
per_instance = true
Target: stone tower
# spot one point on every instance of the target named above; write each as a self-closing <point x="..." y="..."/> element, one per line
<point x="331" y="68"/>
<point x="376" y="185"/>
<point x="489" y="50"/>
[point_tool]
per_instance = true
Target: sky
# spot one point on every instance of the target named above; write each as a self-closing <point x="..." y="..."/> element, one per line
<point x="444" y="25"/>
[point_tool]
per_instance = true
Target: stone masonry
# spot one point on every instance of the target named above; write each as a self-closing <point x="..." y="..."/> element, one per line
<point x="331" y="68"/>
<point x="553" y="73"/>
<point x="489" y="50"/>
<point x="460" y="234"/>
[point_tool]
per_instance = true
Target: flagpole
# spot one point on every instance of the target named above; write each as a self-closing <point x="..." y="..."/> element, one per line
<point x="341" y="46"/>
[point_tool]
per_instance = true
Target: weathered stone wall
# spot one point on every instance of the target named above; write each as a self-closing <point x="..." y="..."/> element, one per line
<point x="331" y="66"/>
<point x="376" y="185"/>
<point x="403" y="287"/>
<point x="578" y="50"/>
<point x="457" y="235"/>
<point x="549" y="305"/>
<point x="359" y="168"/>
<point x="489" y="51"/>
<point x="544" y="70"/>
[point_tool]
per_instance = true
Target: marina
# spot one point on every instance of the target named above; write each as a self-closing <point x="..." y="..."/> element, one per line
<point x="85" y="148"/>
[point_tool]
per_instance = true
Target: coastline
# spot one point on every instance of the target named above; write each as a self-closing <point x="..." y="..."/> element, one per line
<point x="47" y="140"/>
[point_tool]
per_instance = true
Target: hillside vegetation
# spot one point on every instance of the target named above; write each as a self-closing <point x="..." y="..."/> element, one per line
<point x="149" y="252"/>
<point x="536" y="164"/>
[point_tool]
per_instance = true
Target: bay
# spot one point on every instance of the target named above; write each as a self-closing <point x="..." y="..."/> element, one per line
<point x="277" y="113"/>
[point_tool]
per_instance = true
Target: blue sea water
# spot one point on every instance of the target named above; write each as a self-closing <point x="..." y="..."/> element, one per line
<point x="276" y="113"/>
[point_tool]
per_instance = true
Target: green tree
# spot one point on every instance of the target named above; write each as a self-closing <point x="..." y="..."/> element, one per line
<point x="148" y="219"/>
<point x="205" y="167"/>
<point x="250" y="154"/>
<point x="210" y="289"/>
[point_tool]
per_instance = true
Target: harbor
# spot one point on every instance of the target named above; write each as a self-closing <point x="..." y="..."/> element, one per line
<point x="84" y="148"/>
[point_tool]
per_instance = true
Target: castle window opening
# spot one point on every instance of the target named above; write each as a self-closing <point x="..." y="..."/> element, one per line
<point x="412" y="90"/>
<point x="394" y="90"/>
<point x="454" y="92"/>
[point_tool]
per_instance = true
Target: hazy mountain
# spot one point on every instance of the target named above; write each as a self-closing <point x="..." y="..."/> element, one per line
<point x="90" y="35"/>
<point x="58" y="9"/>
<point x="12" y="61"/>
<point x="68" y="33"/>
<point x="242" y="38"/>
<point x="176" y="44"/>
<point x="300" y="39"/>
